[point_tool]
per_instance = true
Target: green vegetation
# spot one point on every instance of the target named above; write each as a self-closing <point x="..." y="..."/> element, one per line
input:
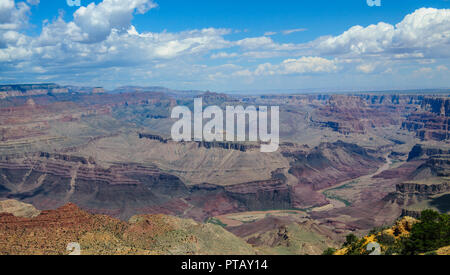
<point x="386" y="239"/>
<point x="420" y="237"/>
<point x="329" y="251"/>
<point x="354" y="245"/>
<point x="216" y="222"/>
<point x="345" y="186"/>
<point x="377" y="230"/>
<point x="430" y="234"/>
<point x="350" y="239"/>
<point x="329" y="193"/>
<point x="334" y="197"/>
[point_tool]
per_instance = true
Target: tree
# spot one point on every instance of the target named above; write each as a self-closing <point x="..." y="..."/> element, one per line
<point x="386" y="239"/>
<point x="431" y="233"/>
<point x="350" y="239"/>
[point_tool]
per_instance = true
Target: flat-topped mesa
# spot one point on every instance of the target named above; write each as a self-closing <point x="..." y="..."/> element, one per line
<point x="85" y="90"/>
<point x="421" y="151"/>
<point x="153" y="137"/>
<point x="44" y="89"/>
<point x="436" y="166"/>
<point x="441" y="165"/>
<point x="227" y="145"/>
<point x="46" y="155"/>
<point x="428" y="181"/>
<point x="31" y="90"/>
<point x="408" y="194"/>
<point x="69" y="158"/>
<point x="205" y="144"/>
<point x="411" y="188"/>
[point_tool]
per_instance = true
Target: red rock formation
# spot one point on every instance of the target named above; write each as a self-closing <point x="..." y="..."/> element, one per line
<point x="358" y="113"/>
<point x="332" y="163"/>
<point x="51" y="231"/>
<point x="431" y="122"/>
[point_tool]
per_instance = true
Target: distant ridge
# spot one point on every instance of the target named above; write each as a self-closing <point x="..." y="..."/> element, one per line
<point x="25" y="87"/>
<point x="17" y="90"/>
<point x="438" y="91"/>
<point x="171" y="92"/>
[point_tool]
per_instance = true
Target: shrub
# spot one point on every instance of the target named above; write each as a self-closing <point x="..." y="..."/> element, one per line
<point x="350" y="239"/>
<point x="329" y="251"/>
<point x="431" y="233"/>
<point x="386" y="239"/>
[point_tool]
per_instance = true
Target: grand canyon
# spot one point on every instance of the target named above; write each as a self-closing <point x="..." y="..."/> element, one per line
<point x="240" y="129"/>
<point x="81" y="164"/>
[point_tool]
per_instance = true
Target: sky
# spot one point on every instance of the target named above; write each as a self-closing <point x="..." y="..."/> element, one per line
<point x="228" y="45"/>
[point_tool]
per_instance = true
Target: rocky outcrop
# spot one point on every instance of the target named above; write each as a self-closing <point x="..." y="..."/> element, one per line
<point x="356" y="114"/>
<point x="431" y="121"/>
<point x="262" y="195"/>
<point x="52" y="231"/>
<point x="411" y="213"/>
<point x="68" y="158"/>
<point x="325" y="166"/>
<point x="288" y="233"/>
<point x="410" y="193"/>
<point x="428" y="126"/>
<point x="215" y="200"/>
<point x="425" y="151"/>
<point x="409" y="188"/>
<point x="436" y="166"/>
<point x="331" y="163"/>
<point x="18" y="209"/>
<point x="437" y="105"/>
<point x="435" y="161"/>
<point x="428" y="180"/>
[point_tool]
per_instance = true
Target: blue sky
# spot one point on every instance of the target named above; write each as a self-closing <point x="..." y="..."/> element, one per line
<point x="227" y="45"/>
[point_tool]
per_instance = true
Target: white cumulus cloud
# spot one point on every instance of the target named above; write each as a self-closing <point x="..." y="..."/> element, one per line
<point x="424" y="33"/>
<point x="303" y="65"/>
